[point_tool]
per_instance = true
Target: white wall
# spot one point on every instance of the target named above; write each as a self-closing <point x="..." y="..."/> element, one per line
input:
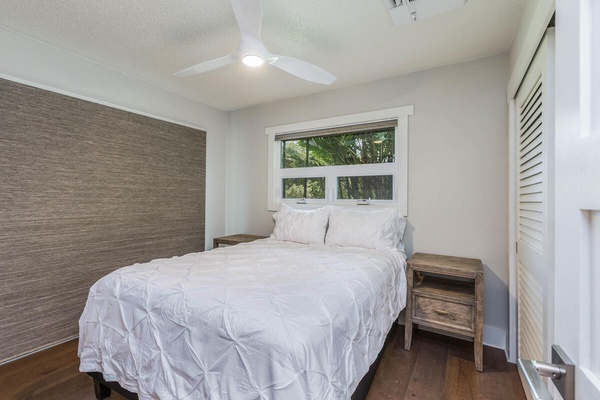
<point x="458" y="166"/>
<point x="457" y="148"/>
<point x="521" y="35"/>
<point x="534" y="20"/>
<point x="38" y="64"/>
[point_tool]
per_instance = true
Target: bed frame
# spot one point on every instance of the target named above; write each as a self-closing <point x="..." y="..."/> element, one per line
<point x="102" y="388"/>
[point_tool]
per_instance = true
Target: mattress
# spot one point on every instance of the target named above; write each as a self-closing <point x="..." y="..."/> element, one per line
<point x="263" y="320"/>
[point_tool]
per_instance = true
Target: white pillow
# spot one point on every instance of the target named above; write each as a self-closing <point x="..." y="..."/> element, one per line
<point x="302" y="226"/>
<point x="373" y="229"/>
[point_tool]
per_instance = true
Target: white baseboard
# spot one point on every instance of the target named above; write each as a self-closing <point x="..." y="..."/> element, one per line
<point x="494" y="337"/>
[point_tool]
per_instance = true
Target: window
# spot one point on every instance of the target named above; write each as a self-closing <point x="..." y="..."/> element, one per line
<point x="341" y="160"/>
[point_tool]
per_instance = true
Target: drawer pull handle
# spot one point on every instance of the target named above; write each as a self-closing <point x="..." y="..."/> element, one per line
<point x="442" y="312"/>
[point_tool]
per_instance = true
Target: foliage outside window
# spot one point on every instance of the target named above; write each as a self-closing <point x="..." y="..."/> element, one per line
<point x="379" y="187"/>
<point x="353" y="149"/>
<point x="304" y="188"/>
<point x="341" y="160"/>
<point x="350" y="149"/>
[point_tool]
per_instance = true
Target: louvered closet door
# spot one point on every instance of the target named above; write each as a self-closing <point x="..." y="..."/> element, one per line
<point x="532" y="205"/>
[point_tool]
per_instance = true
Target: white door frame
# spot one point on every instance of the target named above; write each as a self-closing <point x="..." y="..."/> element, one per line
<point x="577" y="198"/>
<point x="512" y="339"/>
<point x="577" y="215"/>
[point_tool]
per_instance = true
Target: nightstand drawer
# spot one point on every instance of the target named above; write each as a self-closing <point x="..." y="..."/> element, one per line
<point x="443" y="313"/>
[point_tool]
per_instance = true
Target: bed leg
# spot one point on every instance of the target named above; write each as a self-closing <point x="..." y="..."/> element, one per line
<point x="102" y="391"/>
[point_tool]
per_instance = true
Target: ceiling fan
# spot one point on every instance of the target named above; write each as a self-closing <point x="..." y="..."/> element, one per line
<point x="253" y="52"/>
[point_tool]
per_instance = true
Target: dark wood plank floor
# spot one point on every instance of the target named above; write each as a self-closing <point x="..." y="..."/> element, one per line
<point x="436" y="368"/>
<point x="439" y="367"/>
<point x="51" y="374"/>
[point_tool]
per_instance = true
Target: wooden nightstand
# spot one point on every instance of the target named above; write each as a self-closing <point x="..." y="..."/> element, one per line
<point x="448" y="298"/>
<point x="235" y="239"/>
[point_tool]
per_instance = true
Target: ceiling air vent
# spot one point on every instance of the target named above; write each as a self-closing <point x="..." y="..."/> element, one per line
<point x="403" y="12"/>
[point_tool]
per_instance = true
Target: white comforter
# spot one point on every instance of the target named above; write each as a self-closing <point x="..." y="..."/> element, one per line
<point x="263" y="320"/>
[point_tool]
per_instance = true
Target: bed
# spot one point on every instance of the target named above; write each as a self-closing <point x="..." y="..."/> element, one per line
<point x="295" y="316"/>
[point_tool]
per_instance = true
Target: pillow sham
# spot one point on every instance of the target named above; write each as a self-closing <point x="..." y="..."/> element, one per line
<point x="373" y="229"/>
<point x="302" y="226"/>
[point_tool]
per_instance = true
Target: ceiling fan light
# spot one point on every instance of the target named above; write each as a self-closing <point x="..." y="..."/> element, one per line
<point x="252" y="60"/>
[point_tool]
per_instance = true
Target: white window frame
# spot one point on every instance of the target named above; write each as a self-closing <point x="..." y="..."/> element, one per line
<point x="399" y="168"/>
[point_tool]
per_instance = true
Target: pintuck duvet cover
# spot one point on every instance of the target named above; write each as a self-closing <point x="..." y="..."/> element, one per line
<point x="263" y="320"/>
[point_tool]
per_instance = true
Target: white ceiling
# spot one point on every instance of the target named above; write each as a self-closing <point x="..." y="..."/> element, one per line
<point x="353" y="39"/>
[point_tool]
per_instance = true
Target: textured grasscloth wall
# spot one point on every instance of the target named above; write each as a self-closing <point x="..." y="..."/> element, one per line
<point x="85" y="189"/>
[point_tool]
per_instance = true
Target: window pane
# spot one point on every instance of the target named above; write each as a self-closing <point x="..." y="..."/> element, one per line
<point x="379" y="187"/>
<point x="351" y="149"/>
<point x="293" y="154"/>
<point x="307" y="188"/>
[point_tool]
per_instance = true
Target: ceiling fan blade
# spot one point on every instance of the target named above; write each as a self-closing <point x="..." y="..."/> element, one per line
<point x="207" y="66"/>
<point x="248" y="15"/>
<point x="302" y="69"/>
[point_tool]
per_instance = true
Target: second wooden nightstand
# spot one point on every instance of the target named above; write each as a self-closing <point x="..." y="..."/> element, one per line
<point x="450" y="300"/>
<point x="235" y="239"/>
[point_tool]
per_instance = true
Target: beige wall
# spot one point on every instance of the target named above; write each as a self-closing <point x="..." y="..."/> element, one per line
<point x="457" y="164"/>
